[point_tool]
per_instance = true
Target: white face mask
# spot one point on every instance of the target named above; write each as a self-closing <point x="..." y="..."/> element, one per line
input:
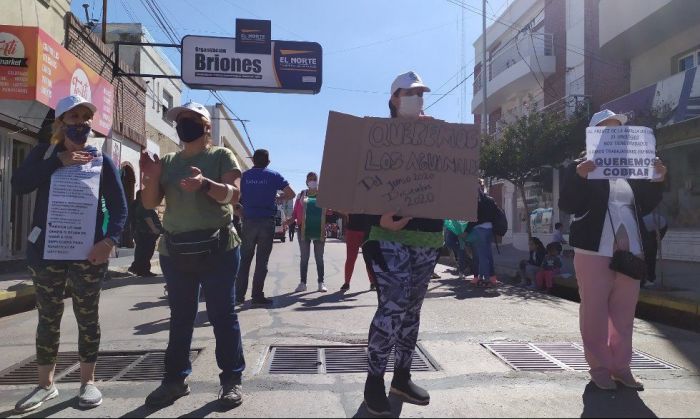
<point x="312" y="184"/>
<point x="410" y="106"/>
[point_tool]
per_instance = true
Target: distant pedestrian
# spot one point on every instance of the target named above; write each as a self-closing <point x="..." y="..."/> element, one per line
<point x="654" y="228"/>
<point x="356" y="233"/>
<point x="311" y="220"/>
<point x="259" y="187"/>
<point x="487" y="212"/>
<point x="199" y="251"/>
<point x="147" y="228"/>
<point x="606" y="218"/>
<point x="404" y="252"/>
<point x="528" y="268"/>
<point x="558" y="235"/>
<point x="52" y="277"/>
<point x="292" y="229"/>
<point x="551" y="267"/>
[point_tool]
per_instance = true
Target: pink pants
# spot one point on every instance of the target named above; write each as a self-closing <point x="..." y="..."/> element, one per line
<point x="606" y="314"/>
<point x="545" y="279"/>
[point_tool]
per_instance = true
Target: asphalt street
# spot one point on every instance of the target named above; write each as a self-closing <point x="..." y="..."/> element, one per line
<point x="456" y="320"/>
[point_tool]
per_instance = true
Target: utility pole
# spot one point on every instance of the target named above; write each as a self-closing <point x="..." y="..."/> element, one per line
<point x="104" y="21"/>
<point x="484" y="70"/>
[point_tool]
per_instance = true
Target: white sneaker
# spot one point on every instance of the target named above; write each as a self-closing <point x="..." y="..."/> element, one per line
<point x="322" y="287"/>
<point x="301" y="287"/>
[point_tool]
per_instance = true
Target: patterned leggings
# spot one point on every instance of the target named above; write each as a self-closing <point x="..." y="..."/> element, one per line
<point x="401" y="288"/>
<point x="85" y="283"/>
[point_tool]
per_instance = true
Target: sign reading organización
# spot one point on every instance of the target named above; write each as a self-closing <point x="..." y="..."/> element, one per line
<point x="251" y="61"/>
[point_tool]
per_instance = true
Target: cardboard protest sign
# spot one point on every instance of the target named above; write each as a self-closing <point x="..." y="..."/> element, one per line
<point x="418" y="167"/>
<point x="621" y="152"/>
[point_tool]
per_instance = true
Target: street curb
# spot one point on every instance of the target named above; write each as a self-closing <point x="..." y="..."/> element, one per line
<point x="23" y="299"/>
<point x="645" y="296"/>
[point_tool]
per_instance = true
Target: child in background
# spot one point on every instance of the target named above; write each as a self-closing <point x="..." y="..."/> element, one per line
<point x="551" y="267"/>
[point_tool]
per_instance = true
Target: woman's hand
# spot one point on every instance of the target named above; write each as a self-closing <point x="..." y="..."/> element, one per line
<point x="387" y="222"/>
<point x="72" y="158"/>
<point x="583" y="169"/>
<point x="194" y="182"/>
<point x="660" y="170"/>
<point x="151" y="167"/>
<point x="99" y="254"/>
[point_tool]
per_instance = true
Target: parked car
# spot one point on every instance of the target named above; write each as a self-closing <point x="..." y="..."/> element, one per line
<point x="280" y="225"/>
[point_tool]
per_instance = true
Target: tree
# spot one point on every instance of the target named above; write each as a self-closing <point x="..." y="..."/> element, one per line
<point x="532" y="141"/>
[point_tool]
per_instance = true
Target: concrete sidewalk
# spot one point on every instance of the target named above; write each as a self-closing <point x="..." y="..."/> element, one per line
<point x="456" y="320"/>
<point x="680" y="290"/>
<point x="17" y="290"/>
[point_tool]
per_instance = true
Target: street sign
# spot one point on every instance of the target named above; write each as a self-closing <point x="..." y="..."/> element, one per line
<point x="214" y="63"/>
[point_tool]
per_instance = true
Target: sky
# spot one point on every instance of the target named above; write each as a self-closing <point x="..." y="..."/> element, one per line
<point x="366" y="44"/>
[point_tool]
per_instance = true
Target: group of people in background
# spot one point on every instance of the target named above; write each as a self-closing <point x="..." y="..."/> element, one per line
<point x="217" y="218"/>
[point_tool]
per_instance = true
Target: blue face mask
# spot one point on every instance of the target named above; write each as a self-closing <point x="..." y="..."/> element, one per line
<point x="78" y="133"/>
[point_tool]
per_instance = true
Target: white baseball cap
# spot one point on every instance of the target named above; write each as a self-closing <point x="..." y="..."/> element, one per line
<point x="407" y="81"/>
<point x="605" y="115"/>
<point x="70" y="102"/>
<point x="189" y="106"/>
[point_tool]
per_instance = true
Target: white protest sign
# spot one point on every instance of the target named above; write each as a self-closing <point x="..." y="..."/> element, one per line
<point x="72" y="213"/>
<point x="621" y="152"/>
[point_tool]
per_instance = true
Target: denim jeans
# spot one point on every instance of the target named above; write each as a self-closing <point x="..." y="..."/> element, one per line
<point x="183" y="295"/>
<point x="452" y="243"/>
<point x="484" y="252"/>
<point x="305" y="248"/>
<point x="258" y="232"/>
<point x="145" y="245"/>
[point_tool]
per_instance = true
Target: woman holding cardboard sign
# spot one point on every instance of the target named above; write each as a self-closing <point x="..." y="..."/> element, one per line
<point x="60" y="172"/>
<point x="404" y="252"/>
<point x="606" y="239"/>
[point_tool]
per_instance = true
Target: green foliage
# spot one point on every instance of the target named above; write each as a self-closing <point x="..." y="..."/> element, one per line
<point x="532" y="141"/>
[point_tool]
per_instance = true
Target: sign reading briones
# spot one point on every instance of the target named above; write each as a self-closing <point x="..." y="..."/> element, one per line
<point x="418" y="167"/>
<point x="621" y="152"/>
<point x="214" y="63"/>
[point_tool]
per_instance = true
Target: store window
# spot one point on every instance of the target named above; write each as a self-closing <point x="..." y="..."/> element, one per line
<point x="681" y="200"/>
<point x="688" y="61"/>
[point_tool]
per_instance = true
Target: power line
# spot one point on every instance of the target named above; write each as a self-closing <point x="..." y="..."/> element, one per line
<point x="449" y="91"/>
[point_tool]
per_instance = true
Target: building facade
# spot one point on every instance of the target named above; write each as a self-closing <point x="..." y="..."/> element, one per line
<point x="46" y="54"/>
<point x="225" y="134"/>
<point x="161" y="93"/>
<point x="660" y="39"/>
<point x="542" y="55"/>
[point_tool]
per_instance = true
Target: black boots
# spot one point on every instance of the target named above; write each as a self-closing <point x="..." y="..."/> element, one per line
<point x="375" y="397"/>
<point x="406" y="390"/>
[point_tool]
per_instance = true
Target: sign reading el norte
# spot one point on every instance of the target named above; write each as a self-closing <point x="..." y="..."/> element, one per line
<point x="418" y="167"/>
<point x="621" y="152"/>
<point x="251" y="62"/>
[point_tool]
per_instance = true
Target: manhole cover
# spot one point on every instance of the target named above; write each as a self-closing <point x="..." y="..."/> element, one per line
<point x="333" y="360"/>
<point x="111" y="366"/>
<point x="561" y="357"/>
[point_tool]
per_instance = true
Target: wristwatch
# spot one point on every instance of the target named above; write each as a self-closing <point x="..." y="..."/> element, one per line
<point x="206" y="185"/>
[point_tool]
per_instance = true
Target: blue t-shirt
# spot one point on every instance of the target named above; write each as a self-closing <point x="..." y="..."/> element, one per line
<point x="258" y="192"/>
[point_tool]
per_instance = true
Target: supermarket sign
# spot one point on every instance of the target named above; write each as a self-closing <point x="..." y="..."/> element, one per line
<point x="216" y="63"/>
<point x="33" y="66"/>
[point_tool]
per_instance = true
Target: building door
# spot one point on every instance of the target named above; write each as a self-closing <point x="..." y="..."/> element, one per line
<point x="21" y="205"/>
<point x="129" y="182"/>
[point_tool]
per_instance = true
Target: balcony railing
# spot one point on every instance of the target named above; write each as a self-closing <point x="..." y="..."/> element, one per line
<point x="537" y="44"/>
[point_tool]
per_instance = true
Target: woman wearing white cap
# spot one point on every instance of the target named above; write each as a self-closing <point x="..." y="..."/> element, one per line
<point x="71" y="130"/>
<point x="606" y="219"/>
<point x="404" y="252"/>
<point x="198" y="250"/>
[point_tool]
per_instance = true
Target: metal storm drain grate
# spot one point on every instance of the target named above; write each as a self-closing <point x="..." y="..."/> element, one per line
<point x="111" y="366"/>
<point x="561" y="357"/>
<point x="333" y="360"/>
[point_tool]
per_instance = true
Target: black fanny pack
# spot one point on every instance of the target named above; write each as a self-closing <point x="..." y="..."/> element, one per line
<point x="190" y="250"/>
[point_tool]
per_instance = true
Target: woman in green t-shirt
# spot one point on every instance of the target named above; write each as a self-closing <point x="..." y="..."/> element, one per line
<point x="198" y="250"/>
